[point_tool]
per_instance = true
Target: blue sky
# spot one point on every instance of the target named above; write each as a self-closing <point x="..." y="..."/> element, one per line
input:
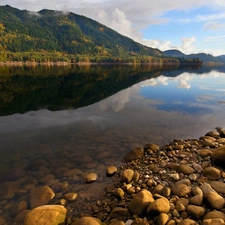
<point x="191" y="26"/>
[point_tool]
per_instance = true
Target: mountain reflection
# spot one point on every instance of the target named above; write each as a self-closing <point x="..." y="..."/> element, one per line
<point x="24" y="89"/>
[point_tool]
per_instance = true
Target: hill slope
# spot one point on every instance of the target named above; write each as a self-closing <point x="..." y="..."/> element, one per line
<point x="53" y="31"/>
<point x="207" y="58"/>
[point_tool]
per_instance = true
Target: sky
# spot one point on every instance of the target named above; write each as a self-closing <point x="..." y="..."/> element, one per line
<point x="191" y="26"/>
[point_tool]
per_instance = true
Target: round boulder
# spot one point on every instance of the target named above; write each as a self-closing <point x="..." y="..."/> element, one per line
<point x="160" y="205"/>
<point x="218" y="156"/>
<point x="47" y="214"/>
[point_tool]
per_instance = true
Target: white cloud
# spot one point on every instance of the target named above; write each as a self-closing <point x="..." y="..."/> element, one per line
<point x="212" y="25"/>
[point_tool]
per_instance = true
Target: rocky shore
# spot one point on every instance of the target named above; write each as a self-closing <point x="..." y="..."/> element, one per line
<point x="179" y="183"/>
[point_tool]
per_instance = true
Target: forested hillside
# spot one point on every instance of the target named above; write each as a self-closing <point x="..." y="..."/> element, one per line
<point x="55" y="36"/>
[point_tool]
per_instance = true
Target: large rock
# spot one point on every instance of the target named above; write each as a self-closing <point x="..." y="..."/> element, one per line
<point x="215" y="200"/>
<point x="212" y="173"/>
<point x="47" y="214"/>
<point x="181" y="190"/>
<point x="218" y="156"/>
<point x="181" y="168"/>
<point x="218" y="186"/>
<point x="127" y="175"/>
<point x="142" y="200"/>
<point x="160" y="205"/>
<point x="134" y="154"/>
<point x="196" y="212"/>
<point x="214" y="215"/>
<point x="40" y="196"/>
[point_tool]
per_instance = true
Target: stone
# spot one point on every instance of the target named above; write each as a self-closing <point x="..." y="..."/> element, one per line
<point x="111" y="170"/>
<point x="181" y="168"/>
<point x="215" y="200"/>
<point x="187" y="222"/>
<point x="8" y="189"/>
<point x="212" y="173"/>
<point x="142" y="200"/>
<point x="40" y="196"/>
<point x="136" y="176"/>
<point x="116" y="222"/>
<point x="152" y="147"/>
<point x="136" y="153"/>
<point x="119" y="213"/>
<point x="2" y="221"/>
<point x="47" y="214"/>
<point x="218" y="156"/>
<point x="196" y="212"/>
<point x="90" y="177"/>
<point x="119" y="193"/>
<point x="71" y="196"/>
<point x="127" y="175"/>
<point x="160" y="205"/>
<point x="72" y="172"/>
<point x="205" y="152"/>
<point x="218" y="186"/>
<point x="214" y="215"/>
<point x="14" y="174"/>
<point x="181" y="190"/>
<point x="20" y="217"/>
<point x="19" y="207"/>
<point x="139" y="221"/>
<point x="162" y="219"/>
<point x="213" y="222"/>
<point x="197" y="199"/>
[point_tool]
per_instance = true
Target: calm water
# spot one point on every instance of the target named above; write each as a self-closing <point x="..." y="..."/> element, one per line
<point x="89" y="117"/>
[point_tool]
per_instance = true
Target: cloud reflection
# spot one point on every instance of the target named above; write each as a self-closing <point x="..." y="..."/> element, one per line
<point x="118" y="101"/>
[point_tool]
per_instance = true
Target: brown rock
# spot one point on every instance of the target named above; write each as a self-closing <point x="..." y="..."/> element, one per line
<point x="213" y="222"/>
<point x="140" y="221"/>
<point x="160" y="205"/>
<point x="142" y="199"/>
<point x="111" y="170"/>
<point x="47" y="214"/>
<point x="196" y="212"/>
<point x="86" y="221"/>
<point x="205" y="153"/>
<point x="2" y="221"/>
<point x="162" y="219"/>
<point x="212" y="173"/>
<point x="218" y="156"/>
<point x="40" y="196"/>
<point x="8" y="189"/>
<point x="116" y="222"/>
<point x="214" y="215"/>
<point x="20" y="217"/>
<point x="187" y="222"/>
<point x="127" y="175"/>
<point x="181" y="190"/>
<point x="215" y="200"/>
<point x="119" y="213"/>
<point x="152" y="147"/>
<point x="218" y="186"/>
<point x="70" y="196"/>
<point x="134" y="154"/>
<point x="90" y="177"/>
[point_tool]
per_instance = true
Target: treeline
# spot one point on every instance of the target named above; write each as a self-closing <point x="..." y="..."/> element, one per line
<point x="48" y="57"/>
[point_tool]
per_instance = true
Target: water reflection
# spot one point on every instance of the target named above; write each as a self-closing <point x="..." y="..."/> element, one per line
<point x="119" y="112"/>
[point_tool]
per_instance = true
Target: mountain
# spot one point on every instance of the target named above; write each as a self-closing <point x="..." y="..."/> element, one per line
<point x="64" y="34"/>
<point x="206" y="58"/>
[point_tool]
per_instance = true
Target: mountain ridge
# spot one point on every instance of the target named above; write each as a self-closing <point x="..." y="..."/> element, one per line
<point x="207" y="58"/>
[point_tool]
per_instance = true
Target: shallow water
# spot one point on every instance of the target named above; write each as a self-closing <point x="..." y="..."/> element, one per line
<point x="59" y="118"/>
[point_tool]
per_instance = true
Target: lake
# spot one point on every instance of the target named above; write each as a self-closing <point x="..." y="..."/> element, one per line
<point x="57" y="119"/>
